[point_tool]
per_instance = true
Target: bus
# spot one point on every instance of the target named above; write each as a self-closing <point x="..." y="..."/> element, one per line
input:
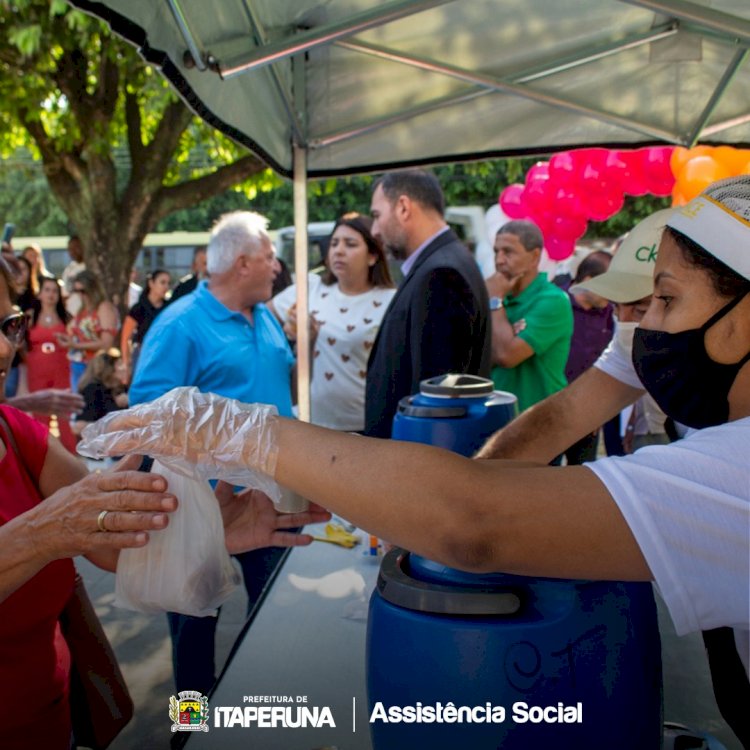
<point x="170" y="250"/>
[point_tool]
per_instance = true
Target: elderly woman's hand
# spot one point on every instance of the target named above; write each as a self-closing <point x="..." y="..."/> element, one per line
<point x="102" y="512"/>
<point x="194" y="432"/>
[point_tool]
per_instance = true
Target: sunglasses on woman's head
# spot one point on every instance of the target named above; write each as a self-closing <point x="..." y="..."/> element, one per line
<point x="13" y="327"/>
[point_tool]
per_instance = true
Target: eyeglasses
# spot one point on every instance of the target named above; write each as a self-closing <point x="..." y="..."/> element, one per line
<point x="13" y="327"/>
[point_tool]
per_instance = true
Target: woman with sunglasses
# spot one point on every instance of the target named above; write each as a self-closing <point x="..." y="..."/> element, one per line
<point x="38" y="540"/>
<point x="93" y="328"/>
<point x="52" y="510"/>
<point x="677" y="514"/>
<point x="45" y="363"/>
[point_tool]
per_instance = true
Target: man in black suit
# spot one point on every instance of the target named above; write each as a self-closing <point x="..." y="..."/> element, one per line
<point x="438" y="321"/>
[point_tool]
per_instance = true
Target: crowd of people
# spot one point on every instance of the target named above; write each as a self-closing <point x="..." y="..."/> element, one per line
<point x="628" y="343"/>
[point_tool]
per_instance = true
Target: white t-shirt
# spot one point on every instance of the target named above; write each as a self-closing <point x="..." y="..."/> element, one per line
<point x="348" y="328"/>
<point x="688" y="506"/>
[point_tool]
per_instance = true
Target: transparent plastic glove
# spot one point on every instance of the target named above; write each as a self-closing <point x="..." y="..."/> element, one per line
<point x="195" y="433"/>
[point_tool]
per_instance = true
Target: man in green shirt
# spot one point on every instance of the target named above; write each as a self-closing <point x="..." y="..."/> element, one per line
<point x="532" y="321"/>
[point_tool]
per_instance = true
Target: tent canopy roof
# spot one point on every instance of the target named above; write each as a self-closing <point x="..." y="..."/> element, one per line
<point x="366" y="86"/>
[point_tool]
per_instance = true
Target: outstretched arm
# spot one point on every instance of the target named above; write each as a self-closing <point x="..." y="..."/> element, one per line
<point x="546" y="429"/>
<point x="474" y="515"/>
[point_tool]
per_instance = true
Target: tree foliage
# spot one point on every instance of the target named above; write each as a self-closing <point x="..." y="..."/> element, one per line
<point x="116" y="144"/>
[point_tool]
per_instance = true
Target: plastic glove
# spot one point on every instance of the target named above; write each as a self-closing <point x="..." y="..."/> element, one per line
<point x="195" y="433"/>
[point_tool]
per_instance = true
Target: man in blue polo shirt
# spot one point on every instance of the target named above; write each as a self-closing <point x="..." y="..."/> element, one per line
<point x="222" y="339"/>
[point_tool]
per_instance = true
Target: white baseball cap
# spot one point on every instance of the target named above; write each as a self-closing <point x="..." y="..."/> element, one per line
<point x="630" y="276"/>
<point x="719" y="220"/>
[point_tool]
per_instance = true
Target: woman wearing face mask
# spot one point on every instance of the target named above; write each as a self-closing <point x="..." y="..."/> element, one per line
<point x="676" y="514"/>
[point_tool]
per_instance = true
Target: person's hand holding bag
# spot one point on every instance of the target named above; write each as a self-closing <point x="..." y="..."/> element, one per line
<point x="190" y="431"/>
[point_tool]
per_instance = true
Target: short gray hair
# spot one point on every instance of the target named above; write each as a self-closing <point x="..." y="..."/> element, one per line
<point x="234" y="234"/>
<point x="528" y="233"/>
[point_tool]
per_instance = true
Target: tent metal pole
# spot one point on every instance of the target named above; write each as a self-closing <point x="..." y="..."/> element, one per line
<point x="720" y="127"/>
<point x="262" y="38"/>
<point x="733" y="27"/>
<point x="300" y="269"/>
<point x="187" y="35"/>
<point x="739" y="58"/>
<point x="307" y="40"/>
<point x="499" y="84"/>
<point x="654" y="35"/>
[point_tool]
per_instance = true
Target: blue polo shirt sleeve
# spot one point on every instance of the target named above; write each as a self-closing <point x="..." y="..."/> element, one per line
<point x="167" y="360"/>
<point x="548" y="320"/>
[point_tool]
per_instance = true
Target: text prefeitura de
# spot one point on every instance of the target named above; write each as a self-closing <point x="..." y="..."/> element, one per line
<point x="521" y="713"/>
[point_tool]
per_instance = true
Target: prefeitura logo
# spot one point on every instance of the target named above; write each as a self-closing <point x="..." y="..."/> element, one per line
<point x="189" y="712"/>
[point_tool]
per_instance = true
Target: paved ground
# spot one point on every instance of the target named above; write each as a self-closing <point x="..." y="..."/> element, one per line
<point x="142" y="645"/>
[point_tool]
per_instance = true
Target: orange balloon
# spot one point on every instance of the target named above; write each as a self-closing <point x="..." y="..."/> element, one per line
<point x="700" y="151"/>
<point x="677" y="161"/>
<point x="734" y="159"/>
<point x="698" y="173"/>
<point x="678" y="199"/>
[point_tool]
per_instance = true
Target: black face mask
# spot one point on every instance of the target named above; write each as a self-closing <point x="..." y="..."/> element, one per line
<point x="680" y="376"/>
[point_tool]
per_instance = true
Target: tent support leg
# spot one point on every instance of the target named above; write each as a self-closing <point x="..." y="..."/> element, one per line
<point x="301" y="268"/>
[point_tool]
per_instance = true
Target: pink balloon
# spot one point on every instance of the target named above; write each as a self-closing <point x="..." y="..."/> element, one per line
<point x="511" y="201"/>
<point x="568" y="227"/>
<point x="536" y="197"/>
<point x="604" y="205"/>
<point x="634" y="178"/>
<point x="617" y="169"/>
<point x="591" y="175"/>
<point x="558" y="248"/>
<point x="563" y="168"/>
<point x="540" y="171"/>
<point x="657" y="169"/>
<point x="568" y="202"/>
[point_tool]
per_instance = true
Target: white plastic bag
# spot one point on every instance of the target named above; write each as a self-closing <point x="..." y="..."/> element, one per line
<point x="186" y="567"/>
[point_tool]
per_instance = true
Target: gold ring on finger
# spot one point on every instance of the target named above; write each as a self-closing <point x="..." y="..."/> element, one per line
<point x="100" y="520"/>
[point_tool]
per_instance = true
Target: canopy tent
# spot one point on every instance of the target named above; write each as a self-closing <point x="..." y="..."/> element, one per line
<point x="331" y="87"/>
<point x="365" y="86"/>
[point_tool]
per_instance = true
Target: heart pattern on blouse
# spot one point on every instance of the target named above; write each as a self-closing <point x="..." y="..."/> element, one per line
<point x="368" y="344"/>
<point x="367" y="321"/>
<point x="350" y="328"/>
<point x="343" y="309"/>
<point x="329" y="375"/>
<point x="363" y="374"/>
<point x="331" y="340"/>
<point x="345" y="357"/>
<point x="376" y="303"/>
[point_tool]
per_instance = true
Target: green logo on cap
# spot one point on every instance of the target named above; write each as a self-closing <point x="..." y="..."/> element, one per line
<point x="646" y="253"/>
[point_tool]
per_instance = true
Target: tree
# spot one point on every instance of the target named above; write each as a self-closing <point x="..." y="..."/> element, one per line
<point x="117" y="145"/>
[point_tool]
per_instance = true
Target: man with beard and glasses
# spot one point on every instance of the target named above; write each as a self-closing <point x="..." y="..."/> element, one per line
<point x="438" y="321"/>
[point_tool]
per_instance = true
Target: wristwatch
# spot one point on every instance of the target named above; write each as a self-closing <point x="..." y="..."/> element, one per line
<point x="496" y="303"/>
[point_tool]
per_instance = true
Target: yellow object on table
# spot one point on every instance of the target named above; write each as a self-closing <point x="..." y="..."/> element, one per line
<point x="337" y="534"/>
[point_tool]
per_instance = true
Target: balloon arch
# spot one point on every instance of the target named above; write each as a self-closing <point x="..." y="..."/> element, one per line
<point x="574" y="187"/>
